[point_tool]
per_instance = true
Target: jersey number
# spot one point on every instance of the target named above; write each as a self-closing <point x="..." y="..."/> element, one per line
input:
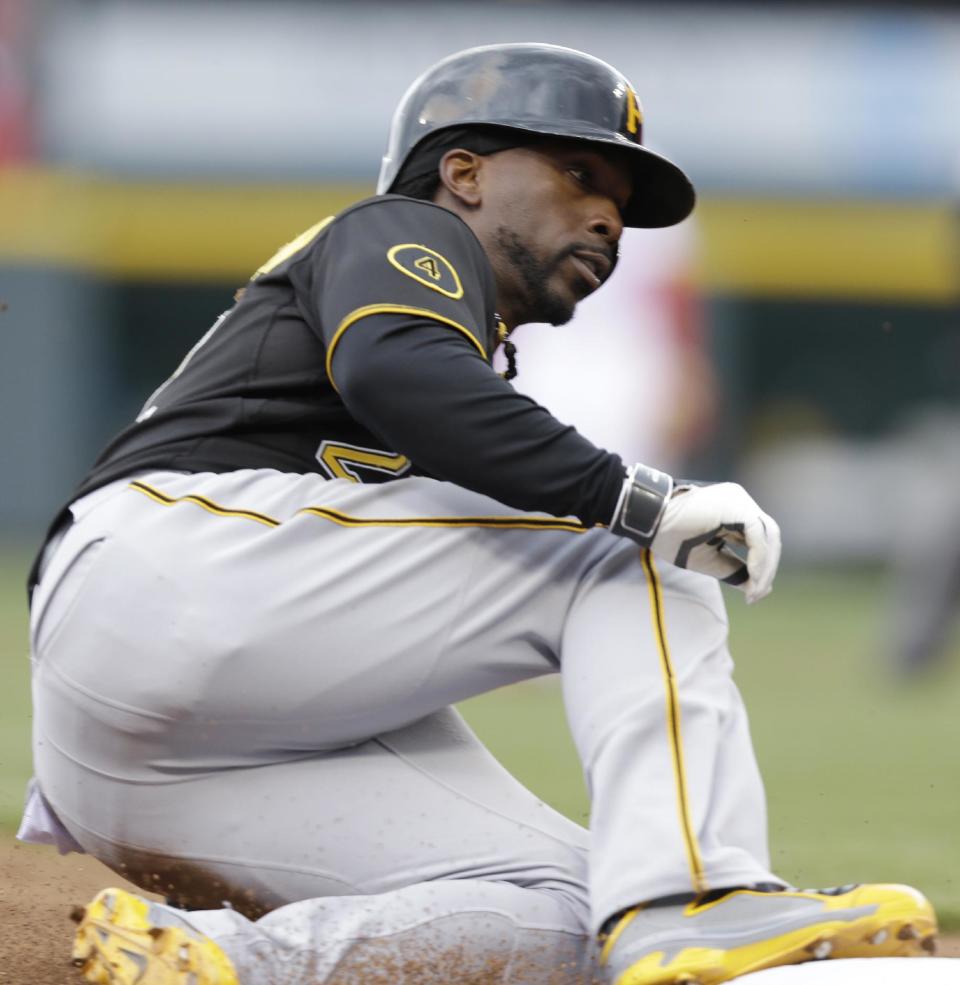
<point x="340" y="461"/>
<point x="429" y="266"/>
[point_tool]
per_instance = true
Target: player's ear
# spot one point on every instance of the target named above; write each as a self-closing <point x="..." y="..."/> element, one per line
<point x="460" y="175"/>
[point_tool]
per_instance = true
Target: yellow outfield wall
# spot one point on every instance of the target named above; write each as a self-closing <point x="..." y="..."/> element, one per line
<point x="220" y="231"/>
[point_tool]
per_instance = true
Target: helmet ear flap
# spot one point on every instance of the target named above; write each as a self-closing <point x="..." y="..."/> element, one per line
<point x="520" y="92"/>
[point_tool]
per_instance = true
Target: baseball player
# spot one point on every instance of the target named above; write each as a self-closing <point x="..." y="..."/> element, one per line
<point x="335" y="520"/>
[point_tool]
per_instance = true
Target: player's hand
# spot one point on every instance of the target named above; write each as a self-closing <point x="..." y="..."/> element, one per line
<point x="703" y="527"/>
<point x="716" y="529"/>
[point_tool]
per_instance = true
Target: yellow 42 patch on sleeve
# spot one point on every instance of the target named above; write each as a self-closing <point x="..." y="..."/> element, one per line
<point x="427" y="267"/>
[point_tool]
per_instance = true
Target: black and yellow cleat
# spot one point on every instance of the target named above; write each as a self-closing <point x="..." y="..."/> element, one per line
<point x="706" y="943"/>
<point x="120" y="942"/>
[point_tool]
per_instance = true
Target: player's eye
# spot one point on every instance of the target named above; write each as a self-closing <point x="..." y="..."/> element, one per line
<point x="582" y="175"/>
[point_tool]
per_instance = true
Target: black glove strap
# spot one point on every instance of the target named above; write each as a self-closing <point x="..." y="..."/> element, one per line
<point x="641" y="504"/>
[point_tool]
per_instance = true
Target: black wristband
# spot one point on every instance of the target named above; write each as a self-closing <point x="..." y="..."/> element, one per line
<point x="641" y="504"/>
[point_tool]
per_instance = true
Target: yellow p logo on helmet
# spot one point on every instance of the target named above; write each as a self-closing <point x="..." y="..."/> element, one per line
<point x="634" y="112"/>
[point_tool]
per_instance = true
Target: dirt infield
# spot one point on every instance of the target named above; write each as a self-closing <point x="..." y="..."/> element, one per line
<point x="37" y="889"/>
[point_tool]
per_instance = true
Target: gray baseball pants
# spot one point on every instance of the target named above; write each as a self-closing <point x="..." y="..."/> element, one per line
<point x="242" y="688"/>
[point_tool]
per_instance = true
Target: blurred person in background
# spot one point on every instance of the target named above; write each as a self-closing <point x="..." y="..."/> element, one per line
<point x="16" y="138"/>
<point x="648" y="322"/>
<point x="924" y="565"/>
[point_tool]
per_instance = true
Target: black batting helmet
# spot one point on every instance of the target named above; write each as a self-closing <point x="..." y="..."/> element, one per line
<point x="542" y="89"/>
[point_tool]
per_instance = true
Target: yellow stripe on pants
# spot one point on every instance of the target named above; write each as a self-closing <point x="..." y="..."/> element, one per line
<point x="674" y="725"/>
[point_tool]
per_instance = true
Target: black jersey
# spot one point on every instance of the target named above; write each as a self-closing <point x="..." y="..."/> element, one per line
<point x="362" y="350"/>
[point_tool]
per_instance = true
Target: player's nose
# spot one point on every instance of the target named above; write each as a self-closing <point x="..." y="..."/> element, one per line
<point x="606" y="221"/>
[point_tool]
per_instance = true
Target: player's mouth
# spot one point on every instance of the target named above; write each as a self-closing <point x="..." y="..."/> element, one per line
<point x="594" y="267"/>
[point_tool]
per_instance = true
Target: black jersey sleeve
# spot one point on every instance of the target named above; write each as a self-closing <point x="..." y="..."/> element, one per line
<point x="421" y="389"/>
<point x="405" y="257"/>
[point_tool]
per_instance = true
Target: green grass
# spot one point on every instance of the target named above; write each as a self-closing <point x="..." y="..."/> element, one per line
<point x="861" y="770"/>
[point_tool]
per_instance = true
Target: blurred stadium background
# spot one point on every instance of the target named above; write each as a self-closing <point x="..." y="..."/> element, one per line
<point x="153" y="153"/>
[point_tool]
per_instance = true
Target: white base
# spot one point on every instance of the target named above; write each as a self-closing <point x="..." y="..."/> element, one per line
<point x="862" y="971"/>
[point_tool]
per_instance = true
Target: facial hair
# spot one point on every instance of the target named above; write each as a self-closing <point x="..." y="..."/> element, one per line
<point x="539" y="302"/>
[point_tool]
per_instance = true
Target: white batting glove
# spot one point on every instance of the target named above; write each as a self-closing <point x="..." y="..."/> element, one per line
<point x="698" y="527"/>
